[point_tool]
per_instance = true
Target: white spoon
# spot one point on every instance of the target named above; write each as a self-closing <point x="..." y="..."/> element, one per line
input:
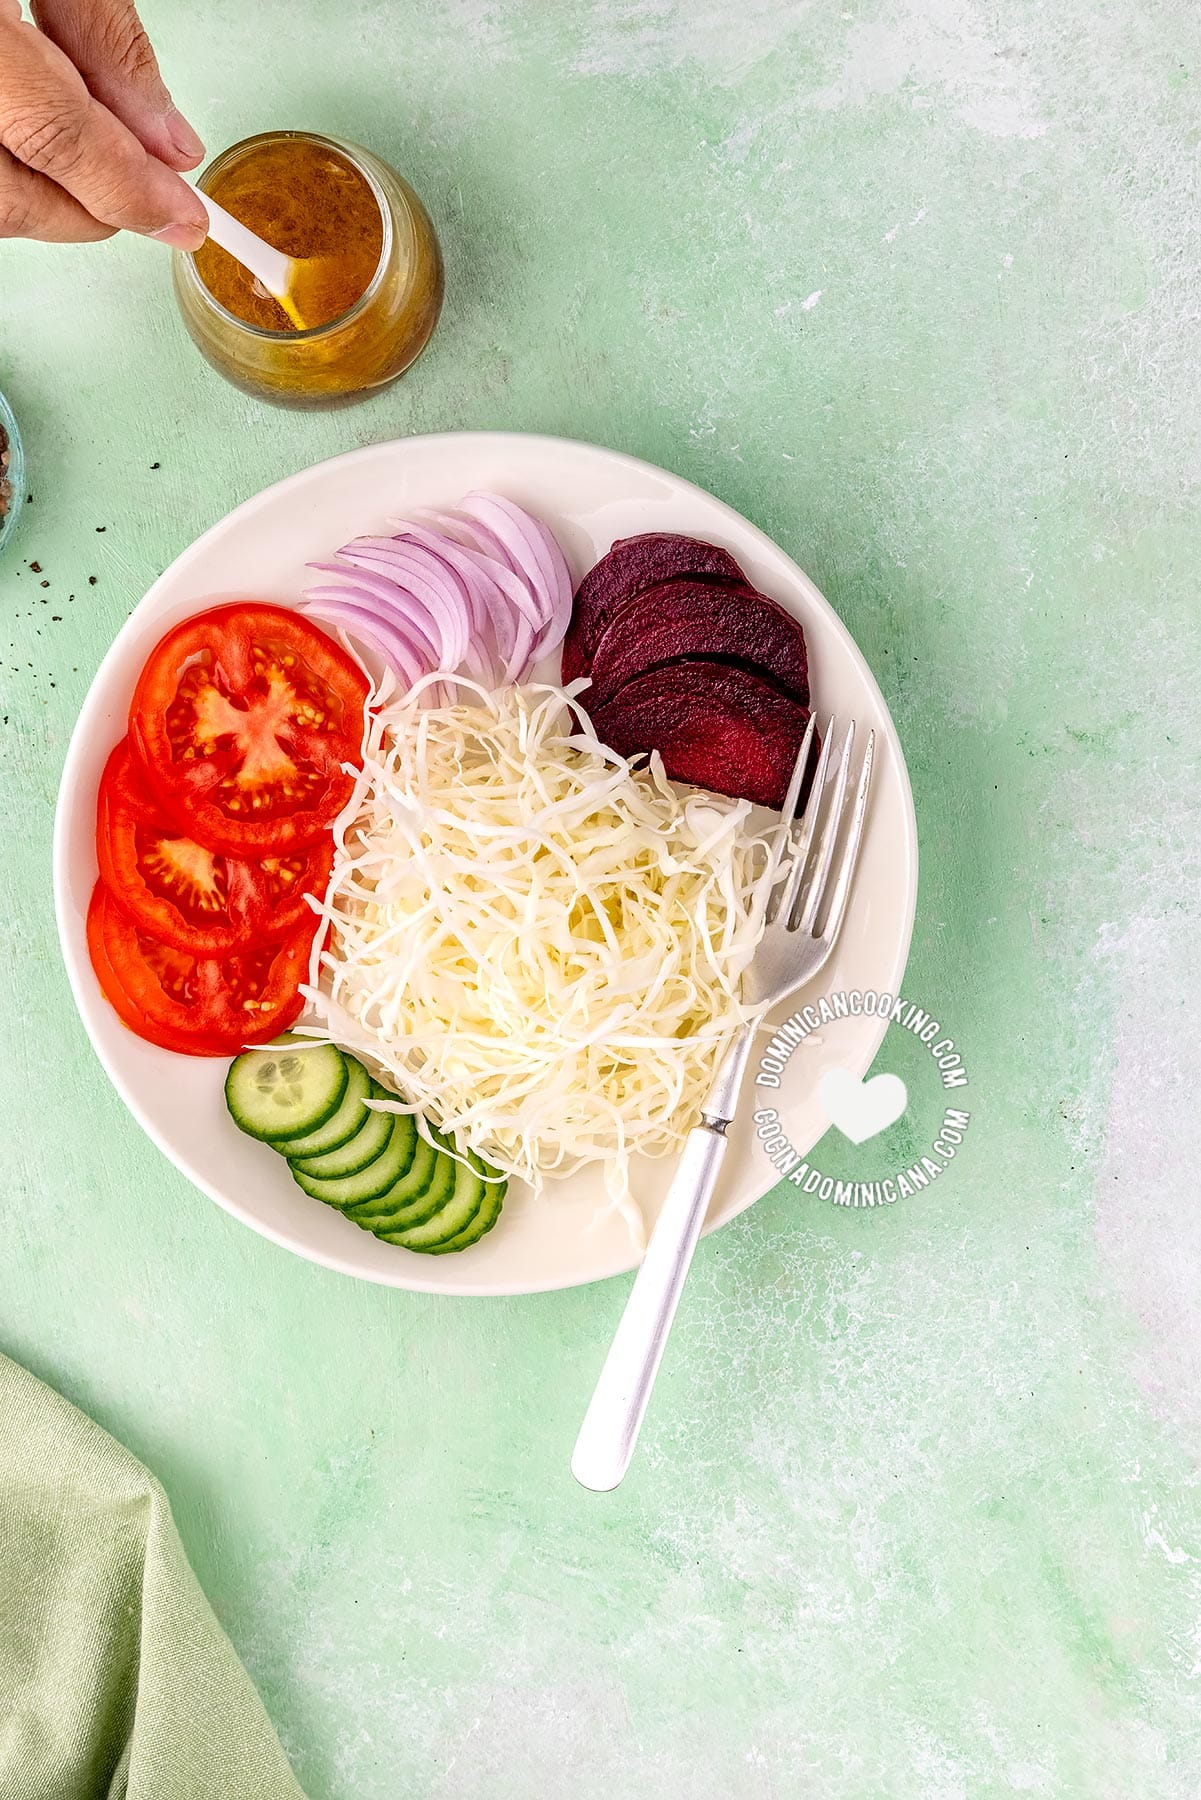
<point x="277" y="272"/>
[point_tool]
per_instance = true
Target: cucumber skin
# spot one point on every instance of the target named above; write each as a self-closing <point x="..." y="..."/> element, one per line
<point x="416" y="1179"/>
<point x="456" y="1221"/>
<point x="385" y="1214"/>
<point x="238" y="1112"/>
<point x="384" y="1170"/>
<point x="345" y="1160"/>
<point x="300" y="1148"/>
<point x="372" y="1212"/>
<point x="479" y="1227"/>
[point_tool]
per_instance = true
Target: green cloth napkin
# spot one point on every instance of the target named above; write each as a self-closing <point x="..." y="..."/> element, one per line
<point x="116" y="1681"/>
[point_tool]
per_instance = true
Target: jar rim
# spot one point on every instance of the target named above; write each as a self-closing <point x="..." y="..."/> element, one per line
<point x="355" y="156"/>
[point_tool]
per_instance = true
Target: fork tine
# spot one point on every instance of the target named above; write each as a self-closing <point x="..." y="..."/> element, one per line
<point x="788" y="810"/>
<point x="766" y="902"/>
<point x="825" y="852"/>
<point x="800" y="849"/>
<point x="850" y="856"/>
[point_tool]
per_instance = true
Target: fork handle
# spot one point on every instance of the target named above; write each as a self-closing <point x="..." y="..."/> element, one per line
<point x="615" y="1412"/>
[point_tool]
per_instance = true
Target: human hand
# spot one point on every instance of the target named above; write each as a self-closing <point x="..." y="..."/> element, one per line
<point x="89" y="139"/>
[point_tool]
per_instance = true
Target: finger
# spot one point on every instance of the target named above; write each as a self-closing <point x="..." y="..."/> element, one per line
<point x="31" y="206"/>
<point x="50" y="122"/>
<point x="106" y="41"/>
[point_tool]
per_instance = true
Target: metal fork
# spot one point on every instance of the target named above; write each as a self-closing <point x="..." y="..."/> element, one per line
<point x="810" y="878"/>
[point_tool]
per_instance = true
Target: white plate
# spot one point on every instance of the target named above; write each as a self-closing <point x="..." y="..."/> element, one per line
<point x="589" y="497"/>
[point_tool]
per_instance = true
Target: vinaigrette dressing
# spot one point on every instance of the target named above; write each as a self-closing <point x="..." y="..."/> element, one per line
<point x="370" y="286"/>
<point x="310" y="202"/>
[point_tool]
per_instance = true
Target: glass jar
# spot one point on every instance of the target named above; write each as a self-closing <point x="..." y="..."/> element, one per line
<point x="369" y="345"/>
<point x="12" y="472"/>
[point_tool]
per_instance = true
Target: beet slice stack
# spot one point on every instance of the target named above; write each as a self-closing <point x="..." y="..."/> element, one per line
<point x="687" y="658"/>
<point x="695" y="619"/>
<point x="713" y="724"/>
<point x="633" y="564"/>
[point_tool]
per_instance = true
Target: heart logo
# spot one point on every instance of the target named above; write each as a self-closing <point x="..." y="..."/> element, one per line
<point x="861" y="1109"/>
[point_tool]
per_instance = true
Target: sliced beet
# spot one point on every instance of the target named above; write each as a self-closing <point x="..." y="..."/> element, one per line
<point x="713" y="724"/>
<point x="635" y="563"/>
<point x="716" y="621"/>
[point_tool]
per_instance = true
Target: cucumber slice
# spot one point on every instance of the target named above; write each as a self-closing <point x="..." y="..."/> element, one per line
<point x="450" y="1220"/>
<point x="341" y="1126"/>
<point x="421" y="1192"/>
<point x="483" y="1222"/>
<point x="368" y="1142"/>
<point x="286" y="1090"/>
<point x="374" y="1177"/>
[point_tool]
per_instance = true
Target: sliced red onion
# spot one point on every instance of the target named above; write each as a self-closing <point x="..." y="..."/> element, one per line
<point x="437" y="544"/>
<point x="393" y="603"/>
<point x="485" y="591"/>
<point x="490" y="511"/>
<point x="511" y="612"/>
<point x="364" y="623"/>
<point x="488" y="554"/>
<point x="530" y="545"/>
<point x="486" y="545"/>
<point x="425" y="579"/>
<point x="554" y="612"/>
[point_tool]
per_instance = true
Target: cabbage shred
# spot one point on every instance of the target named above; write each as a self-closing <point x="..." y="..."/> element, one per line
<point x="537" y="944"/>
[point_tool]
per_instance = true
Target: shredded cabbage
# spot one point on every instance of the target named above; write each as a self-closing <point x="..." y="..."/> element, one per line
<point x="536" y="944"/>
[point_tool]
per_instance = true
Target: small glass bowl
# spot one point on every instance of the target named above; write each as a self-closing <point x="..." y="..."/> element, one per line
<point x="14" y="474"/>
<point x="369" y="346"/>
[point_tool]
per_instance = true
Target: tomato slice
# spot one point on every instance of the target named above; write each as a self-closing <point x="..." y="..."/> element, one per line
<point x="242" y="719"/>
<point x="201" y="1006"/>
<point x="197" y="899"/>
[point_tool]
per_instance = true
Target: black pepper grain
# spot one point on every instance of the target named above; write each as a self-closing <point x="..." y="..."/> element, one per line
<point x="91" y="581"/>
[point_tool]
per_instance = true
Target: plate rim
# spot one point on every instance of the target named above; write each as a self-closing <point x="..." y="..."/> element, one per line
<point x="77" y="750"/>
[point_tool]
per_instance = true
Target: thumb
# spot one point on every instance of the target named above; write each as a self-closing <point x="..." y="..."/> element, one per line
<point x="107" y="42"/>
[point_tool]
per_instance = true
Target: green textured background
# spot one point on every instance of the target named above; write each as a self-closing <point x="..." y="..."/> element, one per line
<point x="914" y="284"/>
